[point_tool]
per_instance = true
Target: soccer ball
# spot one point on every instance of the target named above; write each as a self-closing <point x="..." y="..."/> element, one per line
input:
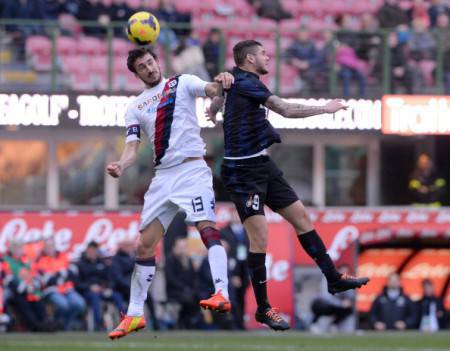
<point x="143" y="28"/>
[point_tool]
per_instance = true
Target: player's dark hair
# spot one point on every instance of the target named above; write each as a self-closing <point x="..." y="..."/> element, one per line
<point x="242" y="49"/>
<point x="135" y="54"/>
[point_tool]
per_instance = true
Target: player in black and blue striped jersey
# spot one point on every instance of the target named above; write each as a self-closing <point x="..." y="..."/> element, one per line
<point x="254" y="180"/>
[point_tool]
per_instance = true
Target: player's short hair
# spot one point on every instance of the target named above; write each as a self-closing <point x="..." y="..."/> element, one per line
<point x="242" y="49"/>
<point x="135" y="54"/>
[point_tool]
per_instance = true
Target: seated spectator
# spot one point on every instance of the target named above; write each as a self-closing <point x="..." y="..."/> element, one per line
<point x="369" y="46"/>
<point x="437" y="8"/>
<point x="4" y="317"/>
<point x="181" y="285"/>
<point x="59" y="287"/>
<point x="423" y="52"/>
<point x="390" y="15"/>
<point x="427" y="188"/>
<point x="94" y="10"/>
<point x="443" y="31"/>
<point x="123" y="263"/>
<point x="393" y="310"/>
<point x="95" y="283"/>
<point x="188" y="59"/>
<point x="25" y="285"/>
<point x="419" y="11"/>
<point x="271" y="9"/>
<point x="167" y="14"/>
<point x="401" y="74"/>
<point x="338" y="307"/>
<point x="119" y="11"/>
<point x="301" y="54"/>
<point x="350" y="66"/>
<point x="431" y="308"/>
<point x="211" y="51"/>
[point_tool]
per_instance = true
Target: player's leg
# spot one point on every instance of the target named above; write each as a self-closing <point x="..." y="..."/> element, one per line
<point x="195" y="195"/>
<point x="217" y="258"/>
<point x="313" y="245"/>
<point x="143" y="273"/>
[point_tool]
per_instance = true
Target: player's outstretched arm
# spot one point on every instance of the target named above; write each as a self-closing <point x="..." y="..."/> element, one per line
<point x="222" y="81"/>
<point x="294" y="110"/>
<point x="129" y="156"/>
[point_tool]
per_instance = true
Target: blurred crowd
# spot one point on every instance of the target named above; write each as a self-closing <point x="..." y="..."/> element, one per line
<point x="417" y="38"/>
<point x="42" y="290"/>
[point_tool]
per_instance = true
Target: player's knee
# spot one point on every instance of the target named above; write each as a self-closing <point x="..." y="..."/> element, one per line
<point x="145" y="248"/>
<point x="210" y="236"/>
<point x="302" y="223"/>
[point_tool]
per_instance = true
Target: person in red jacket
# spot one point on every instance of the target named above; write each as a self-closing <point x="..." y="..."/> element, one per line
<point x="58" y="286"/>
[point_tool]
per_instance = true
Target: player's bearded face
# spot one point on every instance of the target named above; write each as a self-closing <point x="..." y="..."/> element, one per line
<point x="261" y="61"/>
<point x="148" y="70"/>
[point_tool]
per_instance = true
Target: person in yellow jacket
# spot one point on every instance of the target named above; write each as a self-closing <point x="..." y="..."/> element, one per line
<point x="426" y="187"/>
<point x="58" y="286"/>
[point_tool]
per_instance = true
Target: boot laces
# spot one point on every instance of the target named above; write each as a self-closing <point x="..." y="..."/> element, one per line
<point x="274" y="315"/>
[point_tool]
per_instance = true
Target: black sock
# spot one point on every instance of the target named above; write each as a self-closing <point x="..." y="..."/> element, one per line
<point x="258" y="276"/>
<point x="313" y="245"/>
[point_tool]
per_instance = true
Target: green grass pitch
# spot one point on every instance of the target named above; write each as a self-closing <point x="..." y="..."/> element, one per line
<point x="224" y="341"/>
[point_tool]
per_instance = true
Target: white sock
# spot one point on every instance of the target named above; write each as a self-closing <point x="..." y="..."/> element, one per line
<point x="217" y="258"/>
<point x="140" y="282"/>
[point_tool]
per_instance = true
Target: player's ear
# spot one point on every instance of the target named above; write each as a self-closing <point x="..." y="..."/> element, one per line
<point x="250" y="58"/>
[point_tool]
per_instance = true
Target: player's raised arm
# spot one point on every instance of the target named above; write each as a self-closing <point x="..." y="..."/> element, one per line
<point x="129" y="156"/>
<point x="222" y="81"/>
<point x="294" y="110"/>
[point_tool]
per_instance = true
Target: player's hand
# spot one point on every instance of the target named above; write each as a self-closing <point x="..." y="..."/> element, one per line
<point x="224" y="78"/>
<point x="334" y="106"/>
<point x="211" y="117"/>
<point x="114" y="169"/>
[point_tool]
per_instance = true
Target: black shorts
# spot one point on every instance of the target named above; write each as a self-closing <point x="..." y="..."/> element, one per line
<point x="255" y="182"/>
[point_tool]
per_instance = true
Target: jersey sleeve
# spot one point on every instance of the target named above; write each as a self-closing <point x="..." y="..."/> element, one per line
<point x="255" y="89"/>
<point x="132" y="124"/>
<point x="195" y="85"/>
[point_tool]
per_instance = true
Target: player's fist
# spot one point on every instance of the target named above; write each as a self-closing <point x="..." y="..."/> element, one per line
<point x="224" y="78"/>
<point x="334" y="106"/>
<point x="114" y="169"/>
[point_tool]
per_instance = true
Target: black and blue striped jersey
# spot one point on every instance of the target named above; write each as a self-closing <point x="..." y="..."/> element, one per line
<point x="247" y="130"/>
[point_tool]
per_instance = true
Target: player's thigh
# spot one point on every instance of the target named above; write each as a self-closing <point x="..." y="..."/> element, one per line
<point x="149" y="238"/>
<point x="257" y="232"/>
<point x="194" y="194"/>
<point x="296" y="214"/>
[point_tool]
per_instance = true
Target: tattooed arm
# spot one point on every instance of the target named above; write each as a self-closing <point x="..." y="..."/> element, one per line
<point x="294" y="110"/>
<point x="216" y="106"/>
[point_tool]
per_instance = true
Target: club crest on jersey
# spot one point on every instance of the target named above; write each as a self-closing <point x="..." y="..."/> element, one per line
<point x="173" y="83"/>
<point x="253" y="202"/>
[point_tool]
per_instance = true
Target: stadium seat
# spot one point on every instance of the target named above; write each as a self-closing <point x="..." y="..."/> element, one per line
<point x="134" y="4"/>
<point x="91" y="46"/>
<point x="38" y="44"/>
<point x="66" y="46"/>
<point x="120" y="47"/>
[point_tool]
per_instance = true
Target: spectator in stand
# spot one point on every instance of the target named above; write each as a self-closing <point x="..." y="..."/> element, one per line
<point x="181" y="285"/>
<point x="351" y="67"/>
<point x="55" y="8"/>
<point x="95" y="283"/>
<point x="167" y="14"/>
<point x="422" y="45"/>
<point x="25" y="285"/>
<point x="427" y="188"/>
<point x="401" y="74"/>
<point x="211" y="51"/>
<point x="123" y="263"/>
<point x="431" y="307"/>
<point x="301" y="54"/>
<point x="271" y="9"/>
<point x="419" y="11"/>
<point x="119" y="11"/>
<point x="337" y="308"/>
<point x="369" y="48"/>
<point x="4" y="293"/>
<point x="437" y="8"/>
<point x="188" y="58"/>
<point x="235" y="235"/>
<point x="393" y="310"/>
<point x="59" y="289"/>
<point x="390" y="15"/>
<point x="443" y="31"/>
<point x="94" y="10"/>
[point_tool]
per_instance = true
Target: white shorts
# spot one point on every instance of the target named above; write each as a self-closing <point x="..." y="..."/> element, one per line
<point x="187" y="187"/>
